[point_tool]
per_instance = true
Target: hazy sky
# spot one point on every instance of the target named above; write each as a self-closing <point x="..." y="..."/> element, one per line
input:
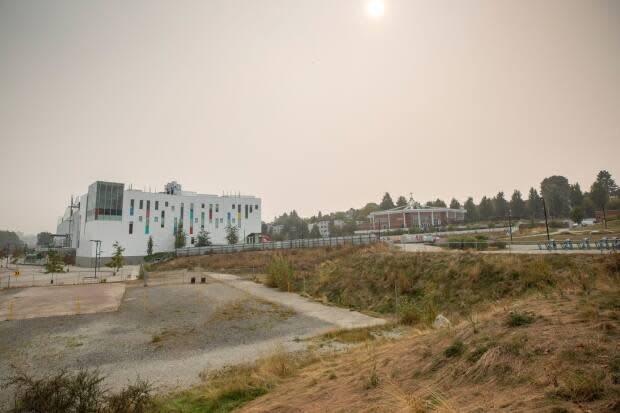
<point x="311" y="104"/>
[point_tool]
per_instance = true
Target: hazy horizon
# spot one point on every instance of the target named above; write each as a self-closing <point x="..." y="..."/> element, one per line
<point x="310" y="105"/>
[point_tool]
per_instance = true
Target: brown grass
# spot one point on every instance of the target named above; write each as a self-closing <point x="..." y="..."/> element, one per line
<point x="560" y="361"/>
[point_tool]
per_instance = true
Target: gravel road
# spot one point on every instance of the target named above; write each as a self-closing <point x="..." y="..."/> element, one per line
<point x="167" y="334"/>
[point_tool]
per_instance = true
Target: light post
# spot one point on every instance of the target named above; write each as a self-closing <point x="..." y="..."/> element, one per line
<point x="97" y="253"/>
<point x="546" y="223"/>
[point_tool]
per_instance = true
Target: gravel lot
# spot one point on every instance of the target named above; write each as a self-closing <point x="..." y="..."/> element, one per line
<point x="167" y="334"/>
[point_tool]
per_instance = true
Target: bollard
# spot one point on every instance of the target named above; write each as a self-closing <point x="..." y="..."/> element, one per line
<point x="10" y="314"/>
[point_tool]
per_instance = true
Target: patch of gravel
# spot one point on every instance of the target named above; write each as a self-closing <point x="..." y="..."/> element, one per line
<point x="165" y="334"/>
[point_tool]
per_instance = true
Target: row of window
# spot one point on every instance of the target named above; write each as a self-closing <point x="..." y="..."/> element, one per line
<point x="217" y="206"/>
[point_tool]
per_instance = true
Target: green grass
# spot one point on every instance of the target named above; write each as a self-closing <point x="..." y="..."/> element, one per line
<point x="455" y="349"/>
<point x="519" y="319"/>
<point x="195" y="401"/>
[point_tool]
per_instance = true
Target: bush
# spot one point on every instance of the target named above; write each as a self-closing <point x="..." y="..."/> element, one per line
<point x="77" y="392"/>
<point x="422" y="311"/>
<point x="280" y="273"/>
<point x="455" y="349"/>
<point x="580" y="387"/>
<point x="519" y="319"/>
<point x="479" y="242"/>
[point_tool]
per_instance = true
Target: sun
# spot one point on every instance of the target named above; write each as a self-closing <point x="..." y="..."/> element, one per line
<point x="375" y="8"/>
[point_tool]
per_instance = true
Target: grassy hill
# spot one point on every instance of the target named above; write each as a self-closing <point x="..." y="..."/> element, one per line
<point x="529" y="333"/>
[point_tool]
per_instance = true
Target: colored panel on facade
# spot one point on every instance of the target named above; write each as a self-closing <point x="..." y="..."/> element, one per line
<point x="148" y="217"/>
<point x="191" y="219"/>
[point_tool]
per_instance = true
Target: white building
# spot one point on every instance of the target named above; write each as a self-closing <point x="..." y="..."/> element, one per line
<point x="324" y="226"/>
<point x="110" y="213"/>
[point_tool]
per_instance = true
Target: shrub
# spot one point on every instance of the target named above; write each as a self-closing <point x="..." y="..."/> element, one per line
<point x="77" y="392"/>
<point x="280" y="273"/>
<point x="519" y="319"/>
<point x="412" y="312"/>
<point x="580" y="387"/>
<point x="455" y="349"/>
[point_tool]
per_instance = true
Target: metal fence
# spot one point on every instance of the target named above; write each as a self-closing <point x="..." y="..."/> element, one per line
<point x="280" y="245"/>
<point x="31" y="276"/>
<point x="585" y="244"/>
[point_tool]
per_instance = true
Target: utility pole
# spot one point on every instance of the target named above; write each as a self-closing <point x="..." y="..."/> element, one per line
<point x="546" y="223"/>
<point x="510" y="226"/>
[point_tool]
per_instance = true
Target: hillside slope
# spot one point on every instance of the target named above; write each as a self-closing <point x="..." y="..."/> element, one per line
<point x="559" y="354"/>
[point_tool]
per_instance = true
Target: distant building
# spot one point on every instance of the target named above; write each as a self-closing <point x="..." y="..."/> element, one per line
<point x="610" y="214"/>
<point x="414" y="215"/>
<point x="324" y="226"/>
<point x="110" y="213"/>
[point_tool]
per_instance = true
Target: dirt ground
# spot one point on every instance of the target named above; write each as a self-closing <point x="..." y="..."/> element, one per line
<point x="167" y="334"/>
<point x="34" y="302"/>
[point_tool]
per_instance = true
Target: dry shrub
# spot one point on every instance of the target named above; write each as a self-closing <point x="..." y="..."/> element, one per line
<point x="581" y="387"/>
<point x="82" y="392"/>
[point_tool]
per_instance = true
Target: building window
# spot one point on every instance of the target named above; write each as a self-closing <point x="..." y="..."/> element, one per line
<point x="156" y="205"/>
<point x="156" y="219"/>
<point x="246" y="211"/>
<point x="141" y="204"/>
<point x="250" y="209"/>
<point x="203" y="206"/>
<point x="192" y="240"/>
<point x="256" y="207"/>
<point x="163" y="215"/>
<point x="195" y="220"/>
<point x="233" y="206"/>
<point x="131" y="205"/>
<point x="221" y="220"/>
<point x="131" y="227"/>
<point x="172" y="207"/>
<point x="166" y="204"/>
<point x="140" y="218"/>
<point x="217" y="207"/>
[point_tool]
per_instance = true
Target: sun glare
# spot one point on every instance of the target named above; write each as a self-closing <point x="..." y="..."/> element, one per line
<point x="375" y="8"/>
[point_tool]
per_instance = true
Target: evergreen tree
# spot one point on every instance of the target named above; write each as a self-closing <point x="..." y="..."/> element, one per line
<point x="556" y="191"/>
<point x="386" y="202"/>
<point x="149" y="246"/>
<point x="517" y="204"/>
<point x="575" y="196"/>
<point x="54" y="263"/>
<point x="401" y="201"/>
<point x="500" y="206"/>
<point x="534" y="205"/>
<point x="600" y="196"/>
<point x="454" y="204"/>
<point x="232" y="234"/>
<point x="314" y="232"/>
<point x="116" y="262"/>
<point x="471" y="212"/>
<point x="605" y="179"/>
<point x="180" y="236"/>
<point x="203" y="239"/>
<point x="485" y="209"/>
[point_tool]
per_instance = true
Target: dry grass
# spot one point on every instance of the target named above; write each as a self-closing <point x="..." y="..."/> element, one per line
<point x="224" y="390"/>
<point x="560" y="361"/>
<point x="245" y="309"/>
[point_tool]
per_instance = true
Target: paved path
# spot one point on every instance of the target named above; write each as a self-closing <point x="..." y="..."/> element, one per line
<point x="340" y="317"/>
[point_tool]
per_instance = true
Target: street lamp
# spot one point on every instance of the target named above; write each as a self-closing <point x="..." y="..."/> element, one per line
<point x="545" y="210"/>
<point x="97" y="253"/>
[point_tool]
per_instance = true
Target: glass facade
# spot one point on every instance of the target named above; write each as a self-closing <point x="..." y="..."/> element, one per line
<point x="105" y="201"/>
